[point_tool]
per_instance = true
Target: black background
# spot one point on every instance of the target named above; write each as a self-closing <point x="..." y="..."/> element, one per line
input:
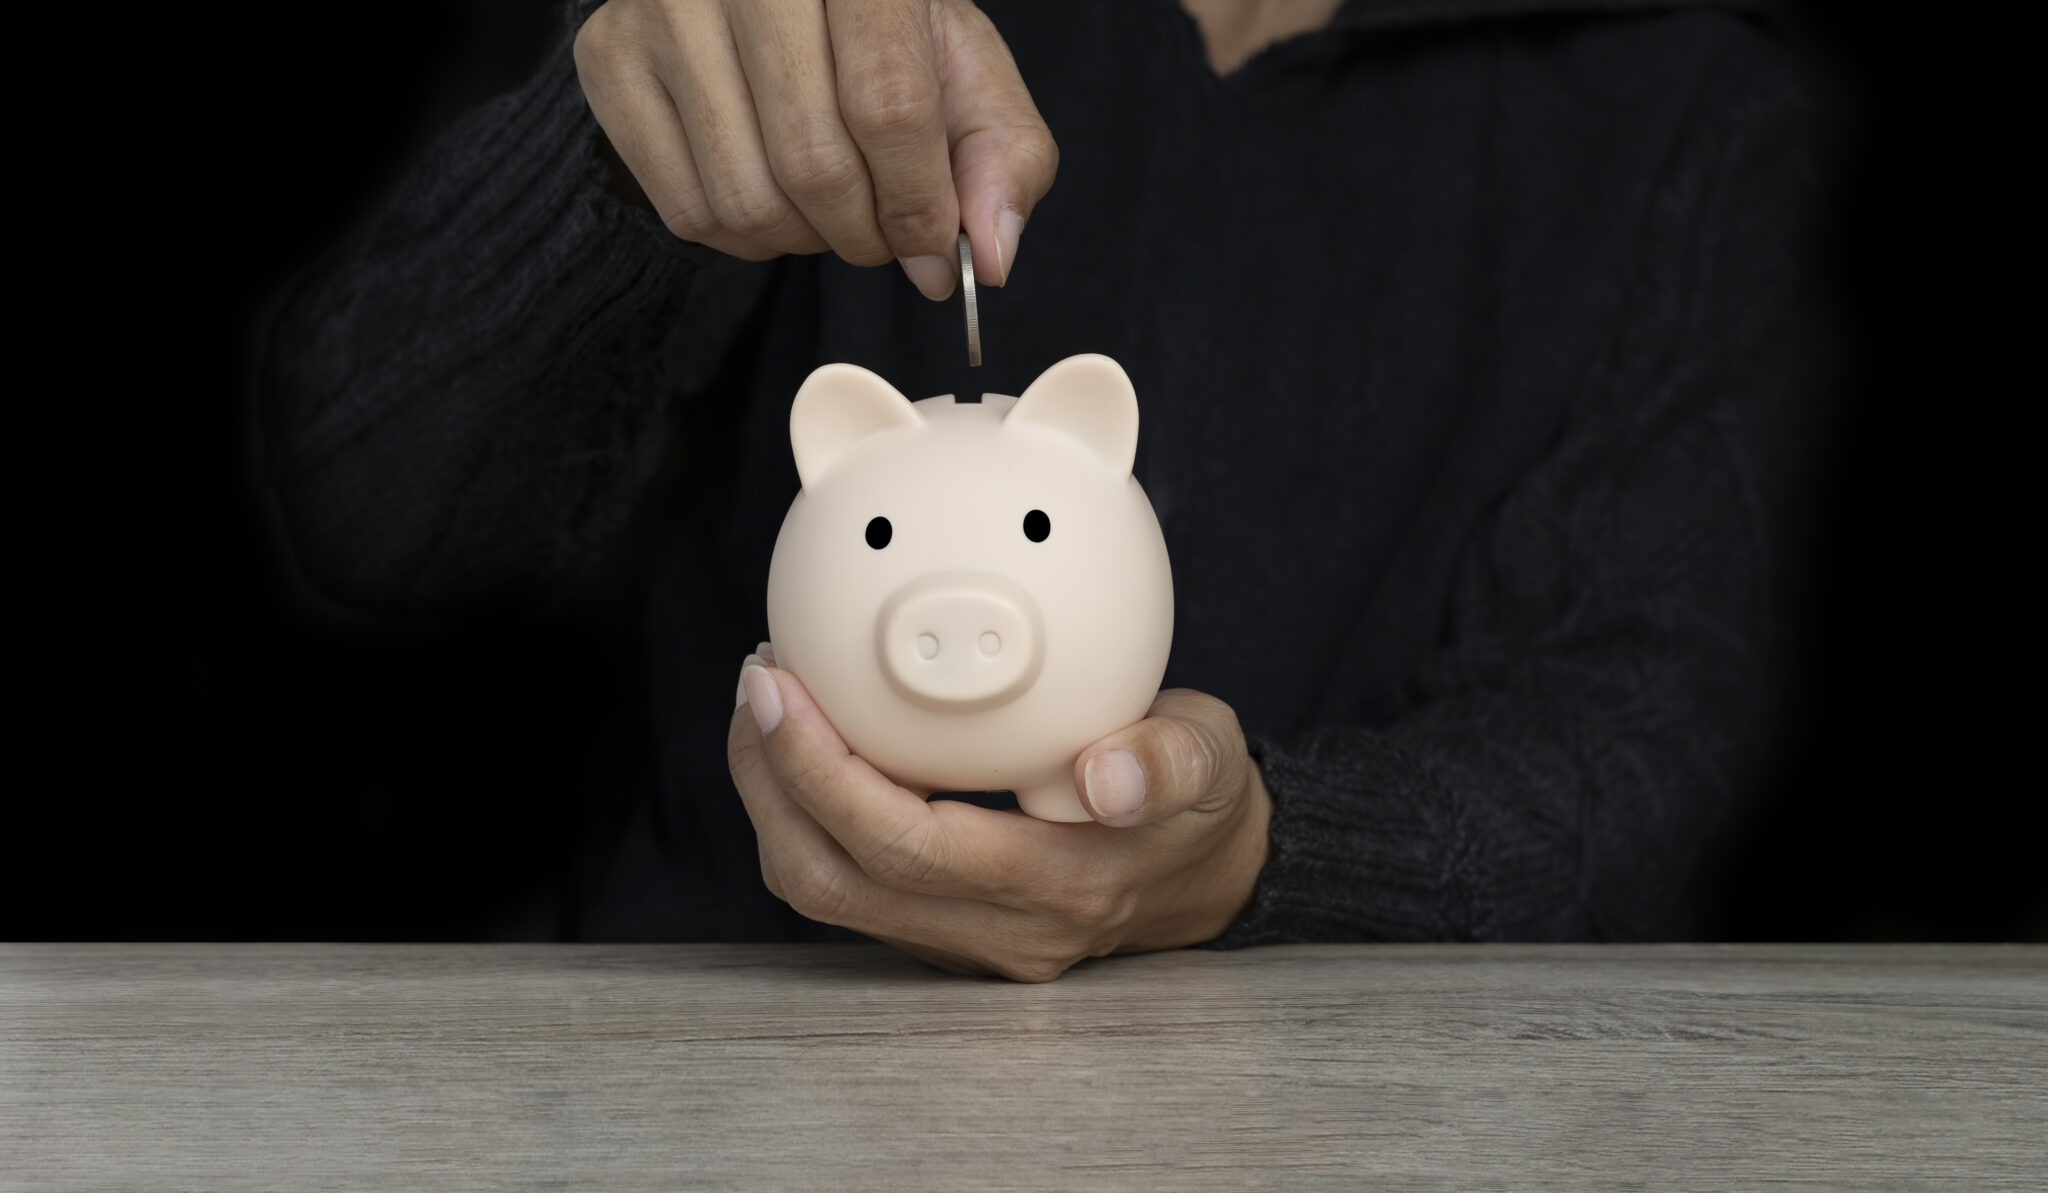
<point x="200" y="752"/>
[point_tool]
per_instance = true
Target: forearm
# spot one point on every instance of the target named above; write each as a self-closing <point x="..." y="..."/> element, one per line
<point x="462" y="409"/>
<point x="1608" y="663"/>
<point x="1573" y="810"/>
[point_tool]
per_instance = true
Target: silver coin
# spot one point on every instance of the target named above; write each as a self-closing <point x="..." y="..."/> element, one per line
<point x="973" y="312"/>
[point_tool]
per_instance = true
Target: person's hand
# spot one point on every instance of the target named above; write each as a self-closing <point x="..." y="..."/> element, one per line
<point x="1176" y="846"/>
<point x="870" y="128"/>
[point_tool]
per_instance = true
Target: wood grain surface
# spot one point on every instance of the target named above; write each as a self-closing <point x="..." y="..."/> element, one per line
<point x="227" y="1067"/>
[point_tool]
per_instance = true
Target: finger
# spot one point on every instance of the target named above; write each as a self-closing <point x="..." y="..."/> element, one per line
<point x="888" y="87"/>
<point x="1004" y="158"/>
<point x="785" y="50"/>
<point x="639" y="117"/>
<point x="802" y="864"/>
<point x="770" y="876"/>
<point x="945" y="848"/>
<point x="743" y="759"/>
<point x="821" y="881"/>
<point x="717" y="109"/>
<point x="1020" y="968"/>
<point x="1187" y="754"/>
<point x="938" y="959"/>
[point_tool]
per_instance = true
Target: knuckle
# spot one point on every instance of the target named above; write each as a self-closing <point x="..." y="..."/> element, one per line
<point x="1097" y="907"/>
<point x="741" y="753"/>
<point x="817" y="892"/>
<point x="913" y="222"/>
<point x="907" y="860"/>
<point x="824" y="168"/>
<point x="1005" y="877"/>
<point x="1043" y="151"/>
<point x="597" y="44"/>
<point x="1224" y="721"/>
<point x="1118" y="915"/>
<point x="1075" y="903"/>
<point x="868" y="257"/>
<point x="752" y="210"/>
<point x="811" y="776"/>
<point x="608" y="45"/>
<point x="1032" y="146"/>
<point x="935" y="958"/>
<point x="865" y="254"/>
<point x="691" y="221"/>
<point x="1224" y="738"/>
<point x="1034" y="970"/>
<point x="889" y="100"/>
<point x="1092" y="907"/>
<point x="1190" y="758"/>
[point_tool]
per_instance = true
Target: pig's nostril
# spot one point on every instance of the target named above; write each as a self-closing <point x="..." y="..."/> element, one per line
<point x="959" y="641"/>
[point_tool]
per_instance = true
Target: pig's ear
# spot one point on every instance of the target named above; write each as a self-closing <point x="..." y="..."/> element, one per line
<point x="1090" y="398"/>
<point x="838" y="406"/>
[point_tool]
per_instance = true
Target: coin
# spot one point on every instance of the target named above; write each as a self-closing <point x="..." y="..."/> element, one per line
<point x="973" y="313"/>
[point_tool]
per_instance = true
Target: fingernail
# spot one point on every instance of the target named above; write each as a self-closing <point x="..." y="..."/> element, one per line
<point x="767" y="652"/>
<point x="764" y="696"/>
<point x="933" y="276"/>
<point x="1116" y="783"/>
<point x="1009" y="226"/>
<point x="739" y="696"/>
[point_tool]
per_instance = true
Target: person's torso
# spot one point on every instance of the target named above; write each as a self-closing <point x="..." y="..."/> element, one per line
<point x="1357" y="285"/>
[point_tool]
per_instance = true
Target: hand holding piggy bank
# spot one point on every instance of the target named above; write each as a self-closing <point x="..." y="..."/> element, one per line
<point x="973" y="592"/>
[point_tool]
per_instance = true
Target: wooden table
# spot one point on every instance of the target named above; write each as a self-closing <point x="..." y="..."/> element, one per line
<point x="227" y="1067"/>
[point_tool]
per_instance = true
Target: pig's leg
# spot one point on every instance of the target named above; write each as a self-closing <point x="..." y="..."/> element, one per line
<point x="1056" y="800"/>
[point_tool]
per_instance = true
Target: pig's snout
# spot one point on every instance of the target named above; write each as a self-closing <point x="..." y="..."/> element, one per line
<point x="959" y="641"/>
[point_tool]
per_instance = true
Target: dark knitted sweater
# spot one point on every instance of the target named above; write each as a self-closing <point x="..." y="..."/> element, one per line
<point x="1476" y="345"/>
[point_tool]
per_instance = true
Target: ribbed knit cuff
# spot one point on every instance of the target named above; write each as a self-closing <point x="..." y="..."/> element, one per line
<point x="1364" y="846"/>
<point x="541" y="185"/>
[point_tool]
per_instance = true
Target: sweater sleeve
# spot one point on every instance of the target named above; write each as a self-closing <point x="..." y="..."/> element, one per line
<point x="460" y="411"/>
<point x="1605" y="679"/>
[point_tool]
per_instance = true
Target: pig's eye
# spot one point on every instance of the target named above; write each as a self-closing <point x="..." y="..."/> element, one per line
<point x="1037" y="526"/>
<point x="878" y="533"/>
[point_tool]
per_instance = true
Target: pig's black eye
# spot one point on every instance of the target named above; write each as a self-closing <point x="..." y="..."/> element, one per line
<point x="1037" y="526"/>
<point x="878" y="533"/>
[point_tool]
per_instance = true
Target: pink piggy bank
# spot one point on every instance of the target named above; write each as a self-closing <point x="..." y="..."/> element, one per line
<point x="973" y="592"/>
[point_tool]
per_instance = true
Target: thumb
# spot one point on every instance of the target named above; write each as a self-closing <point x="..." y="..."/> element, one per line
<point x="1003" y="156"/>
<point x="1188" y="753"/>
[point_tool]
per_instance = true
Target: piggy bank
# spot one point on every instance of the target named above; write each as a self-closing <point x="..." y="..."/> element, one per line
<point x="973" y="592"/>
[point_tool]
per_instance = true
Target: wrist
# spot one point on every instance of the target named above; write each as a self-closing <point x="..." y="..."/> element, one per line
<point x="1250" y="846"/>
<point x="1209" y="897"/>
